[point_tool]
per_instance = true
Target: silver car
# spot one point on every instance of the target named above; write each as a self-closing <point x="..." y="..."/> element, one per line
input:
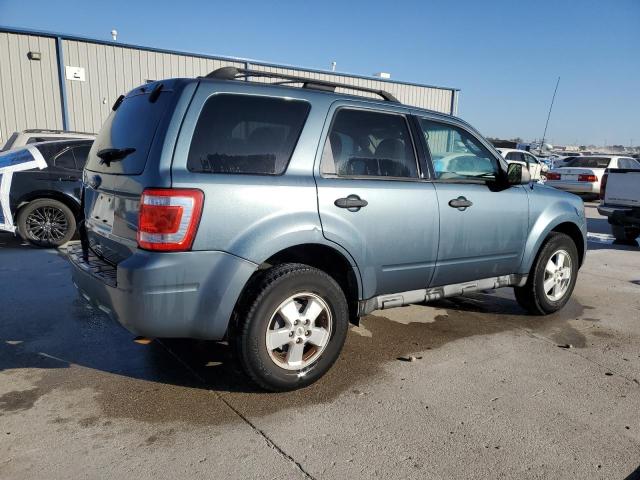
<point x="272" y="216"/>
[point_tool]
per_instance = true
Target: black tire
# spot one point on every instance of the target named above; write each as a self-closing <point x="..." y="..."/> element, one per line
<point x="38" y="211"/>
<point x="532" y="296"/>
<point x="266" y="294"/>
<point x="622" y="234"/>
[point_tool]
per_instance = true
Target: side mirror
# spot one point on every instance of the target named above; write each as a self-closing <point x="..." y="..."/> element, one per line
<point x="518" y="174"/>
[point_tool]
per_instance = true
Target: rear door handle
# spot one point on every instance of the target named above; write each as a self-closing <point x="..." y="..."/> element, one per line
<point x="461" y="203"/>
<point x="352" y="203"/>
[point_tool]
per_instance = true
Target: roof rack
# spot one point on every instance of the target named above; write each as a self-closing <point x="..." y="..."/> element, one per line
<point x="233" y="73"/>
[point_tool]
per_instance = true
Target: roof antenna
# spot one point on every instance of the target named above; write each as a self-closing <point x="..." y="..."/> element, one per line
<point x="548" y="116"/>
<point x="333" y="66"/>
<point x="114" y="34"/>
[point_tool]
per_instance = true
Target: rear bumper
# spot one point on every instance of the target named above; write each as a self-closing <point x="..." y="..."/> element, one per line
<point x="621" y="215"/>
<point x="575" y="187"/>
<point x="186" y="294"/>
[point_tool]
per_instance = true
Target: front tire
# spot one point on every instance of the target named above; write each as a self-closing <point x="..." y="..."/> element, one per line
<point x="292" y="328"/>
<point x="552" y="277"/>
<point x="46" y="223"/>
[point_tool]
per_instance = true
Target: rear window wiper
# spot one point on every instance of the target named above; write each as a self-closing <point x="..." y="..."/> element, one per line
<point x="108" y="155"/>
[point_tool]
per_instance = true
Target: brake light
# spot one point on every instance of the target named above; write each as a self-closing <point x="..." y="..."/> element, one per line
<point x="553" y="176"/>
<point x="169" y="218"/>
<point x="603" y="185"/>
<point x="587" y="178"/>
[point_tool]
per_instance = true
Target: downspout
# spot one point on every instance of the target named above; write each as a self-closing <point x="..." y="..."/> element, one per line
<point x="63" y="87"/>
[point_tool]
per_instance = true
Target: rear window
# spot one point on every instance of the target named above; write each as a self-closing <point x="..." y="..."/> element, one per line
<point x="589" y="162"/>
<point x="246" y="134"/>
<point x="132" y="125"/>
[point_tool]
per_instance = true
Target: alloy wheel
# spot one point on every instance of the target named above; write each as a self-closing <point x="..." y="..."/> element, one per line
<point x="557" y="275"/>
<point x="47" y="224"/>
<point x="299" y="331"/>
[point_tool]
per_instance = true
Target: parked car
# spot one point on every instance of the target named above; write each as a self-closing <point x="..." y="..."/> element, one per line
<point x="44" y="203"/>
<point x="620" y="202"/>
<point x="583" y="175"/>
<point x="37" y="135"/>
<point x="271" y="216"/>
<point x="561" y="161"/>
<point x="536" y="167"/>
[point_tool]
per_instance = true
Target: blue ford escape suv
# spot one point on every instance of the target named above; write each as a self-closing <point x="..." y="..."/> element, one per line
<point x="273" y="215"/>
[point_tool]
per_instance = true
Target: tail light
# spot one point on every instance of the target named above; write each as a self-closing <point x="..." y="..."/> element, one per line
<point x="587" y="178"/>
<point x="169" y="218"/>
<point x="603" y="185"/>
<point x="553" y="176"/>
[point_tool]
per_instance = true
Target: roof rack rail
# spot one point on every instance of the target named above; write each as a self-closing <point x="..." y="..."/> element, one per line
<point x="233" y="73"/>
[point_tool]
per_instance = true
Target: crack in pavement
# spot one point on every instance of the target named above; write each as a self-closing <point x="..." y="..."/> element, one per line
<point x="237" y="412"/>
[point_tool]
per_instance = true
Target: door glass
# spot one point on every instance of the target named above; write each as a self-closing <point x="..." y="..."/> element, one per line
<point x="456" y="154"/>
<point x="363" y="143"/>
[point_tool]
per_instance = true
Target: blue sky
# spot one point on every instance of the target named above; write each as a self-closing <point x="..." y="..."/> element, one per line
<point x="504" y="55"/>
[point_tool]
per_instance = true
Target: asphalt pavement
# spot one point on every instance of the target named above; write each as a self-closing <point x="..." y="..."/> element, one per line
<point x="491" y="392"/>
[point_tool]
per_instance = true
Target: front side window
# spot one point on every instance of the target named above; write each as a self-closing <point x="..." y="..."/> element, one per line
<point x="530" y="159"/>
<point x="456" y="154"/>
<point x="363" y="143"/>
<point x="246" y="134"/>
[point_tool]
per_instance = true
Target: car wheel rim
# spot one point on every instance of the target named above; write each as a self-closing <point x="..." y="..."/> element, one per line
<point x="47" y="224"/>
<point x="557" y="275"/>
<point x="299" y="331"/>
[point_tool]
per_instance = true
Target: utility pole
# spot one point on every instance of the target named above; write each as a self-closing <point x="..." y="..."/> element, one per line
<point x="549" y="115"/>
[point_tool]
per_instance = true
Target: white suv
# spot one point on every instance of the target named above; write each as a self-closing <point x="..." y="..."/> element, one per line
<point x="536" y="167"/>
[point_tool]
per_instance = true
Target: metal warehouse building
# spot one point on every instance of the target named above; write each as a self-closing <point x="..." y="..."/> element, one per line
<point x="61" y="82"/>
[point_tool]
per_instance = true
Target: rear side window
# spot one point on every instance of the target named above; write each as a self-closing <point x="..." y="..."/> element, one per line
<point x="132" y="125"/>
<point x="363" y="143"/>
<point x="246" y="134"/>
<point x="66" y="160"/>
<point x="81" y="153"/>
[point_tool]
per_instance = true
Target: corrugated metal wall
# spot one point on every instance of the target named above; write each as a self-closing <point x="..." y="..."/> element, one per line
<point x="438" y="99"/>
<point x="29" y="89"/>
<point x="111" y="71"/>
<point x="30" y="94"/>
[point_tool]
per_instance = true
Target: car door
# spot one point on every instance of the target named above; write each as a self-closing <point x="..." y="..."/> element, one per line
<point x="483" y="228"/>
<point x="373" y="198"/>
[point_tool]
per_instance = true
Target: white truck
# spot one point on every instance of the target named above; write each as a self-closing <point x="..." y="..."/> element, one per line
<point x="620" y="202"/>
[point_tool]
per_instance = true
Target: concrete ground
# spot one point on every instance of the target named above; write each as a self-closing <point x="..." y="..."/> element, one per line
<point x="493" y="393"/>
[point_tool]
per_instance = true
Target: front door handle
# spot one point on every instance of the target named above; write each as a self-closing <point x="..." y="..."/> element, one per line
<point x="461" y="203"/>
<point x="352" y="203"/>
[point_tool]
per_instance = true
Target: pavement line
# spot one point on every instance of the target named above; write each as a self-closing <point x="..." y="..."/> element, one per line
<point x="228" y="404"/>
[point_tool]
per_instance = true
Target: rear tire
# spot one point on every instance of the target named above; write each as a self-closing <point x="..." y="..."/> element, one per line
<point x="46" y="223"/>
<point x="292" y="327"/>
<point x="552" y="277"/>
<point x="623" y="234"/>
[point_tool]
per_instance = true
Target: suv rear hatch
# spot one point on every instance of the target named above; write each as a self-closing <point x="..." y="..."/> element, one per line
<point x="123" y="160"/>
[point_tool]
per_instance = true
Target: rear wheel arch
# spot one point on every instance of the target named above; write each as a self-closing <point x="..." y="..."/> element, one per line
<point x="323" y="257"/>
<point x="70" y="202"/>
